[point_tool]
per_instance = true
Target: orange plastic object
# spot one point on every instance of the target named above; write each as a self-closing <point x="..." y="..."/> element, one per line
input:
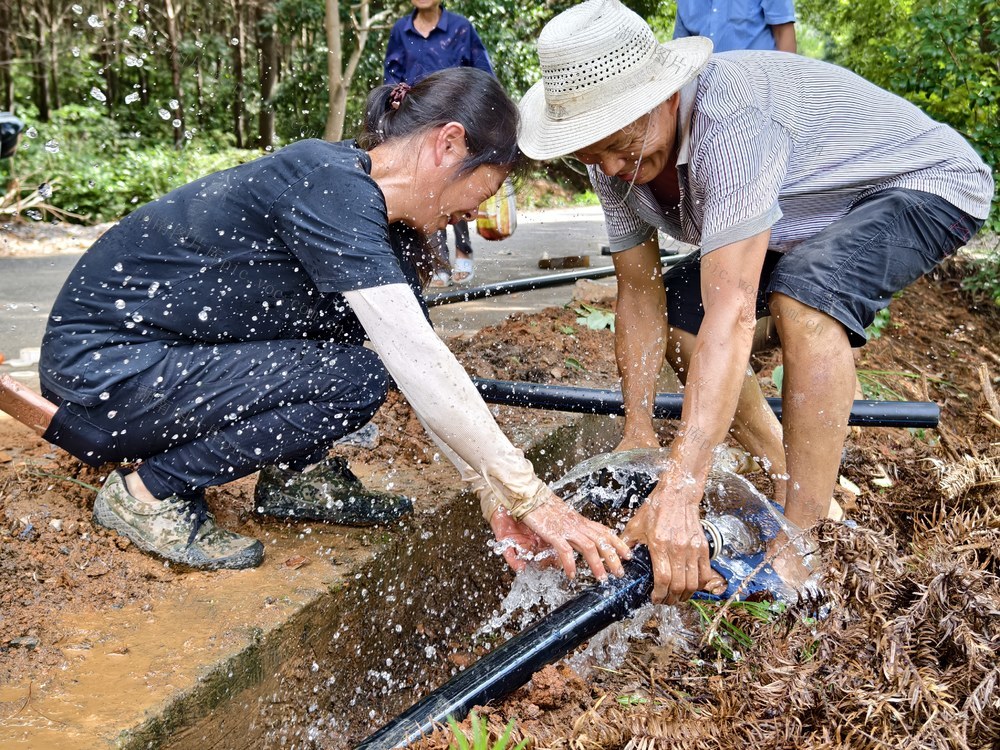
<point x="23" y="404"/>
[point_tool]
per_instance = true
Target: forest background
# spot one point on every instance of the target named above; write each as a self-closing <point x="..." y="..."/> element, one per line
<point x="124" y="99"/>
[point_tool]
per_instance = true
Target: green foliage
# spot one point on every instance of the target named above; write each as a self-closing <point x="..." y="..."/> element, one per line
<point x="729" y="638"/>
<point x="940" y="54"/>
<point x="480" y="739"/>
<point x="878" y="326"/>
<point x="595" y="318"/>
<point x="778" y="376"/>
<point x="984" y="279"/>
<point x="631" y="700"/>
<point x="102" y="173"/>
<point x="874" y="383"/>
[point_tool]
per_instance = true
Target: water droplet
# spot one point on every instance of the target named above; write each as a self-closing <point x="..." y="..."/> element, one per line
<point x="31" y="133"/>
<point x="137" y="31"/>
<point x="164" y="114"/>
<point x="104" y="396"/>
<point x="77" y="9"/>
<point x="119" y="267"/>
<point x="235" y="42"/>
<point x="52" y="146"/>
<point x="120" y="304"/>
<point x="45" y="190"/>
<point x="133" y="97"/>
<point x="98" y="94"/>
<point x="95" y="22"/>
<point x="133" y="62"/>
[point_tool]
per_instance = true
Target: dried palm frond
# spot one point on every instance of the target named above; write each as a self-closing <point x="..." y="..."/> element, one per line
<point x="956" y="478"/>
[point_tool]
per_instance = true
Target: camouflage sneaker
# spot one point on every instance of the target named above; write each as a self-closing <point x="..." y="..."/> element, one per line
<point x="178" y="530"/>
<point x="327" y="492"/>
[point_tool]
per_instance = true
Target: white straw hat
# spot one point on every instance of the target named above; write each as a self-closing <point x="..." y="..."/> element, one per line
<point x="602" y="68"/>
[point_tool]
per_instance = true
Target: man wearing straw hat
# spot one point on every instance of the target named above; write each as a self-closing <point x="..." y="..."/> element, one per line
<point x="813" y="196"/>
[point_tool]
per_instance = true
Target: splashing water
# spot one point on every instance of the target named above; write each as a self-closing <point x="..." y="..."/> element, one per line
<point x="745" y="518"/>
<point x="610" y="479"/>
<point x="608" y="648"/>
<point x="533" y="589"/>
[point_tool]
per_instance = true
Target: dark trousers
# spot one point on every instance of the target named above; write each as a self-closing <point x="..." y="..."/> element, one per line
<point x="463" y="240"/>
<point x="206" y="415"/>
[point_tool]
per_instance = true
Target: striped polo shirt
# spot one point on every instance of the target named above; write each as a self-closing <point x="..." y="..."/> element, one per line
<point x="769" y="140"/>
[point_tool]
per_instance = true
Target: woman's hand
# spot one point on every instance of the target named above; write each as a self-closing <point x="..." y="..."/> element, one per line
<point x="669" y="524"/>
<point x="519" y="544"/>
<point x="558" y="526"/>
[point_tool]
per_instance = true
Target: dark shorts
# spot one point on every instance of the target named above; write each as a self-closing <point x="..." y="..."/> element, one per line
<point x="851" y="269"/>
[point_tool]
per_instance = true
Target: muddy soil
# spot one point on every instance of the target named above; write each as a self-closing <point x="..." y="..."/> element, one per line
<point x="904" y="656"/>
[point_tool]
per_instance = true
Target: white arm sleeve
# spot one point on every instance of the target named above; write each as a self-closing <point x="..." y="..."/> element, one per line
<point x="443" y="396"/>
<point x="488" y="501"/>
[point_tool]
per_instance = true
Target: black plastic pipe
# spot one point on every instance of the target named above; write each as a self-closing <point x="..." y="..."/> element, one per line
<point x="516" y="285"/>
<point x="503" y="671"/>
<point x="668" y="405"/>
<point x="529" y="284"/>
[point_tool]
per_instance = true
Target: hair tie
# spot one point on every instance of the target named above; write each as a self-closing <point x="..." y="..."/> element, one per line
<point x="399" y="92"/>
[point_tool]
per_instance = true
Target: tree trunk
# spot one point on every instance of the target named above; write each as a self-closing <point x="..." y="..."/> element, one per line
<point x="199" y="91"/>
<point x="340" y="77"/>
<point x="41" y="74"/>
<point x="173" y="41"/>
<point x="143" y="87"/>
<point x="6" y="55"/>
<point x="239" y="110"/>
<point x="336" y="90"/>
<point x="267" y="50"/>
<point x="111" y="76"/>
<point x="54" y="70"/>
<point x="145" y="19"/>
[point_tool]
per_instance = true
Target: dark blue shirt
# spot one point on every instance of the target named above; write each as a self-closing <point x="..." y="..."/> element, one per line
<point x="453" y="43"/>
<point x="259" y="252"/>
<point x="733" y="24"/>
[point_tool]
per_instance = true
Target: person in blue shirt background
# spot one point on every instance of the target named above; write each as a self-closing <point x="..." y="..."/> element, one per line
<point x="739" y="24"/>
<point x="424" y="42"/>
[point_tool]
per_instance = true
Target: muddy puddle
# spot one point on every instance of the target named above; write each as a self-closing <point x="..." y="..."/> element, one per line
<point x="399" y="628"/>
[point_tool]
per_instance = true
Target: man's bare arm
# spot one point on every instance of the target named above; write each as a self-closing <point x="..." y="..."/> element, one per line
<point x="669" y="522"/>
<point x="784" y="37"/>
<point x="640" y="338"/>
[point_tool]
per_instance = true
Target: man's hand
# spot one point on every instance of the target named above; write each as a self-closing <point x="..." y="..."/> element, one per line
<point x="554" y="524"/>
<point x="669" y="524"/>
